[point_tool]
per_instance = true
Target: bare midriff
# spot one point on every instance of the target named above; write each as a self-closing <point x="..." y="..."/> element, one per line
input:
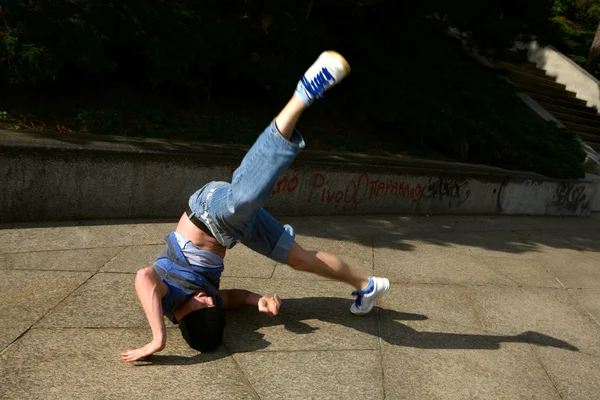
<point x="198" y="237"/>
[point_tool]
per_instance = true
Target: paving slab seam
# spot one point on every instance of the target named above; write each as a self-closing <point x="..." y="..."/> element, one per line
<point x="556" y="277"/>
<point x="381" y="363"/>
<point x="582" y="306"/>
<point x="46" y="313"/>
<point x="243" y="374"/>
<point x="531" y="347"/>
<point x="309" y="351"/>
<point x="55" y="328"/>
<point x="372" y="255"/>
<point x="59" y="303"/>
<point x="475" y="285"/>
<point x="490" y="269"/>
<point x="77" y="248"/>
<point x="117" y="272"/>
<point x="5" y="349"/>
<point x="112" y="258"/>
<point x="46" y="270"/>
<point x="272" y="271"/>
<point x="378" y="321"/>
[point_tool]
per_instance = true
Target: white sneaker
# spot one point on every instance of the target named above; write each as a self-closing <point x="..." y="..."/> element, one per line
<point x="329" y="70"/>
<point x="365" y="302"/>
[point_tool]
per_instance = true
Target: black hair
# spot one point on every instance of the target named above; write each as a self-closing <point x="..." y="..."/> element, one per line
<point x="203" y="329"/>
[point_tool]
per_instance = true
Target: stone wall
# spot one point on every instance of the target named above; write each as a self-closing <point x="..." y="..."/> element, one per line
<point x="68" y="176"/>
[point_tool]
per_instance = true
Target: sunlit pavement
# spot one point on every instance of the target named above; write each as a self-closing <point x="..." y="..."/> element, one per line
<point x="480" y="307"/>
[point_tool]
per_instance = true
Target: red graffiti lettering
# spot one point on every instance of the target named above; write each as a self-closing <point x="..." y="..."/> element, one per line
<point x="373" y="188"/>
<point x="285" y="184"/>
<point x="318" y="182"/>
<point x="353" y="195"/>
<point x="354" y="192"/>
<point x="292" y="185"/>
<point x="360" y="181"/>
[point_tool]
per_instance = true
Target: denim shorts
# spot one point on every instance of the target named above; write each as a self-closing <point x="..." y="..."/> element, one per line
<point x="234" y="211"/>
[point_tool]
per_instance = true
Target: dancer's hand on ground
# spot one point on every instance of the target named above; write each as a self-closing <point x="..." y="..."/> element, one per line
<point x="269" y="305"/>
<point x="145" y="351"/>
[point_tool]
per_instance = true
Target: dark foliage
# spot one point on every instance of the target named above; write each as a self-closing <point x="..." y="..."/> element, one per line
<point x="411" y="80"/>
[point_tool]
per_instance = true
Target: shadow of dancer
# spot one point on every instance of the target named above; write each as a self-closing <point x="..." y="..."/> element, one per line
<point x="242" y="330"/>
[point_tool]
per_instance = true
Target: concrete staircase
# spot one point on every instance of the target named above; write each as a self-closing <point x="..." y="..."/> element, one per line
<point x="572" y="112"/>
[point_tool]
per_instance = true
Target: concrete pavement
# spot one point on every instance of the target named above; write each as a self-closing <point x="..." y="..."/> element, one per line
<point x="480" y="307"/>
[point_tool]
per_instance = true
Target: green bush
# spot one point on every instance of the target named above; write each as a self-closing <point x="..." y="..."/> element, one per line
<point x="412" y="86"/>
<point x="584" y="12"/>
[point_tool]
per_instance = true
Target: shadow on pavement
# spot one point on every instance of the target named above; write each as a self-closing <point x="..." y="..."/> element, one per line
<point x="502" y="233"/>
<point x="242" y="334"/>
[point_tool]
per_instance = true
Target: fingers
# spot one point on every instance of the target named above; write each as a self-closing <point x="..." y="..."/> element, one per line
<point x="275" y="305"/>
<point x="270" y="305"/>
<point x="129" y="356"/>
<point x="263" y="305"/>
<point x="272" y="309"/>
<point x="134" y="355"/>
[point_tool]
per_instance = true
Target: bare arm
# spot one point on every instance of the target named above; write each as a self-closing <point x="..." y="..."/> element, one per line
<point x="238" y="298"/>
<point x="150" y="290"/>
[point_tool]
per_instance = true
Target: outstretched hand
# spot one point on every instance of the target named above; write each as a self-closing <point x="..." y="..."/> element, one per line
<point x="145" y="351"/>
<point x="269" y="305"/>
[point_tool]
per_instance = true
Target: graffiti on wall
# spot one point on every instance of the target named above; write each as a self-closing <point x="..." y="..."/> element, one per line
<point x="286" y="184"/>
<point x="571" y="197"/>
<point x="352" y="191"/>
<point x="364" y="188"/>
<point x="450" y="190"/>
<point x="360" y="189"/>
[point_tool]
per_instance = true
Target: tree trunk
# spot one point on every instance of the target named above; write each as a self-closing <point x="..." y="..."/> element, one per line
<point x="594" y="51"/>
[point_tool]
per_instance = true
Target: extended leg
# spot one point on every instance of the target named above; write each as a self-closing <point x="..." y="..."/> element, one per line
<point x="287" y="118"/>
<point x="329" y="266"/>
<point x="326" y="265"/>
<point x="277" y="147"/>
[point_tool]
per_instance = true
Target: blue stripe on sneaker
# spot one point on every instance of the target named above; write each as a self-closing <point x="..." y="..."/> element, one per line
<point x="360" y="293"/>
<point x="316" y="86"/>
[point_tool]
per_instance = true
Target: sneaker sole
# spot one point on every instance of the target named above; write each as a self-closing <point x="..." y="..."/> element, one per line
<point x="341" y="59"/>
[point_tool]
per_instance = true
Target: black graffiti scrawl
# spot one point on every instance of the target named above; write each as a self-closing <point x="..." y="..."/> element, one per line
<point x="571" y="197"/>
<point x="450" y="190"/>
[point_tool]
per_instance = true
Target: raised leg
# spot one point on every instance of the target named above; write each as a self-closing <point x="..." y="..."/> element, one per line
<point x="277" y="147"/>
<point x="287" y="118"/>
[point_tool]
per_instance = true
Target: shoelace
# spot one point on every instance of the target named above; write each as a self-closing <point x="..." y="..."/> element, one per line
<point x="316" y="86"/>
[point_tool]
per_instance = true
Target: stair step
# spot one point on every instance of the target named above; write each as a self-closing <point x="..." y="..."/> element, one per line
<point x="525" y="76"/>
<point x="594" y="130"/>
<point x="589" y="119"/>
<point x="587" y="137"/>
<point x="547" y="91"/>
<point x="569" y="102"/>
<point x="528" y="68"/>
<point x="529" y="80"/>
<point x="574" y="109"/>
